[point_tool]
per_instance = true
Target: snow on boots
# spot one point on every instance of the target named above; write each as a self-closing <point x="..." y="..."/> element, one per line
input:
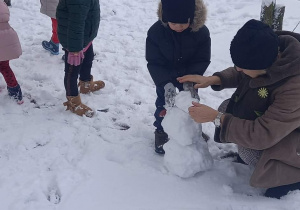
<point x="90" y="86"/>
<point x="74" y="105"/>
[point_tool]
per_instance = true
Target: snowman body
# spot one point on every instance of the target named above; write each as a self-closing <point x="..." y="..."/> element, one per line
<point x="186" y="151"/>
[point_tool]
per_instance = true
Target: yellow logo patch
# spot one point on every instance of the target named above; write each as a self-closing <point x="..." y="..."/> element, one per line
<point x="263" y="92"/>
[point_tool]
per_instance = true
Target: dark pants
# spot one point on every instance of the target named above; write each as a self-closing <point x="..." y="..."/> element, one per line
<point x="84" y="70"/>
<point x="160" y="102"/>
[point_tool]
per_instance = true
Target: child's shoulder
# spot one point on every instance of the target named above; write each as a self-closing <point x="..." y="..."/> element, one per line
<point x="156" y="27"/>
<point x="203" y="30"/>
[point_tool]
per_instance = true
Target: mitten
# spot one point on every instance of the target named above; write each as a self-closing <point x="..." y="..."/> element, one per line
<point x="75" y="58"/>
<point x="170" y="93"/>
<point x="189" y="86"/>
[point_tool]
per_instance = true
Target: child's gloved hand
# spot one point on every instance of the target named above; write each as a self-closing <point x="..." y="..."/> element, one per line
<point x="170" y="93"/>
<point x="189" y="86"/>
<point x="75" y="58"/>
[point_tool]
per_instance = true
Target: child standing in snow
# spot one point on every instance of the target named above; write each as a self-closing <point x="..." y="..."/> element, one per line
<point x="10" y="48"/>
<point x="177" y="44"/>
<point x="48" y="7"/>
<point x="78" y="23"/>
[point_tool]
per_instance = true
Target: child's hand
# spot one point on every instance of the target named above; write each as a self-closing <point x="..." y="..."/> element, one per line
<point x="75" y="58"/>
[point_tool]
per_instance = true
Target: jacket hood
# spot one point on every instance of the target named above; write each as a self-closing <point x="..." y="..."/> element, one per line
<point x="286" y="65"/>
<point x="199" y="17"/>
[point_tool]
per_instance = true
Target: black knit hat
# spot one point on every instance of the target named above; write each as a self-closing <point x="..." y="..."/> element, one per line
<point x="255" y="46"/>
<point x="178" y="11"/>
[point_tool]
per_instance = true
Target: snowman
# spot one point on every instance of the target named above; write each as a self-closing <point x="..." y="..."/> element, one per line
<point x="186" y="152"/>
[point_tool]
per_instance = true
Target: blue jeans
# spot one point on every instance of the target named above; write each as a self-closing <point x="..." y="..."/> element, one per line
<point x="160" y="102"/>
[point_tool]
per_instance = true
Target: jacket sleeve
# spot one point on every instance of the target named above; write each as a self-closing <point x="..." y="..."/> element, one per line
<point x="201" y="60"/>
<point x="280" y="119"/>
<point x="78" y="11"/>
<point x="230" y="78"/>
<point x="156" y="64"/>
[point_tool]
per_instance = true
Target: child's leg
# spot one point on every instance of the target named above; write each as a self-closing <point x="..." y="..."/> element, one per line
<point x="87" y="83"/>
<point x="161" y="137"/>
<point x="8" y="74"/>
<point x="74" y="103"/>
<point x="53" y="45"/>
<point x="160" y="109"/>
<point x="71" y="76"/>
<point x="87" y="63"/>
<point x="13" y="88"/>
<point x="54" y="37"/>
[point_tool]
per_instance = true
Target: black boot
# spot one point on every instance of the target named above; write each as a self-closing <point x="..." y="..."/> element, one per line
<point x="161" y="138"/>
<point x="15" y="93"/>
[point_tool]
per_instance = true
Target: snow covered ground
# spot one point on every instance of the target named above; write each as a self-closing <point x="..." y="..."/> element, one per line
<point x="51" y="159"/>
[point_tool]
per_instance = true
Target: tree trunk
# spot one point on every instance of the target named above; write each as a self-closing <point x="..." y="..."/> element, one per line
<point x="267" y="13"/>
<point x="278" y="17"/>
<point x="272" y="14"/>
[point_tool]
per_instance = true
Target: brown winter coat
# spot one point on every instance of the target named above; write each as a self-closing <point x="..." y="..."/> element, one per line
<point x="10" y="47"/>
<point x="277" y="131"/>
<point x="48" y="7"/>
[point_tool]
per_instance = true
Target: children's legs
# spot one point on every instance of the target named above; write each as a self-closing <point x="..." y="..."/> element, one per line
<point x="13" y="88"/>
<point x="87" y="63"/>
<point x="71" y="76"/>
<point x="160" y="109"/>
<point x="8" y="74"/>
<point x="54" y="37"/>
<point x="74" y="103"/>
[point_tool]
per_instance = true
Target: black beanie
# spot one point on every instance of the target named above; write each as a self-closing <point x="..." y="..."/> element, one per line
<point x="255" y="46"/>
<point x="178" y="11"/>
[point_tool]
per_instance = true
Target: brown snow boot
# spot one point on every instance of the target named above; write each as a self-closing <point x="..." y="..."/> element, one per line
<point x="90" y="86"/>
<point x="74" y="105"/>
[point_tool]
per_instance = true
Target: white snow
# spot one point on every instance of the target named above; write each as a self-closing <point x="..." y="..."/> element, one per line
<point x="51" y="159"/>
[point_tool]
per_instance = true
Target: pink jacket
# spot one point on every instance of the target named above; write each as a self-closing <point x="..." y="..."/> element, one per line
<point x="10" y="47"/>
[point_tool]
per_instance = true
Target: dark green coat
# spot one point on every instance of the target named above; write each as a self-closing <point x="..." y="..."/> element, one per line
<point x="78" y="22"/>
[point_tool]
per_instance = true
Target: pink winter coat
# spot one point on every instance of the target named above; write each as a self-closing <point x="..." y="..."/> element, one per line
<point x="10" y="47"/>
